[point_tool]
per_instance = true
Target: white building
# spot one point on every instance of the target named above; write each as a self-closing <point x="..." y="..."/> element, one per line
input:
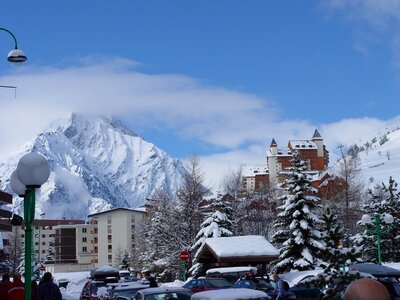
<point x="114" y="232"/>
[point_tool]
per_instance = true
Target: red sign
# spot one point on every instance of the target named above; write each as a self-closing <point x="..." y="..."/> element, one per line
<point x="184" y="255"/>
<point x="42" y="268"/>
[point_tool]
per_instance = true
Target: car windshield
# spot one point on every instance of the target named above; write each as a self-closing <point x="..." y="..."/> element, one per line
<point x="217" y="283"/>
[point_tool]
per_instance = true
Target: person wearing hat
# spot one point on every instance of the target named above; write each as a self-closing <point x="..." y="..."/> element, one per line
<point x="366" y="289"/>
<point x="279" y="293"/>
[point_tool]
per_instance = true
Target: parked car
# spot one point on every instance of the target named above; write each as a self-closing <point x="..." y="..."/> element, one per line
<point x="125" y="289"/>
<point x="231" y="294"/>
<point x="306" y="291"/>
<point x="163" y="293"/>
<point x="205" y="284"/>
<point x="257" y="283"/>
<point x="389" y="277"/>
<point x="232" y="274"/>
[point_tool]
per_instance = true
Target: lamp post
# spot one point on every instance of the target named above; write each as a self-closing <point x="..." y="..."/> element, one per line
<point x="377" y="230"/>
<point x="32" y="171"/>
<point x="16" y="55"/>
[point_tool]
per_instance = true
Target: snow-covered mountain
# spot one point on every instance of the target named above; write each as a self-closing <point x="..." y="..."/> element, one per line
<point x="96" y="163"/>
<point x="379" y="157"/>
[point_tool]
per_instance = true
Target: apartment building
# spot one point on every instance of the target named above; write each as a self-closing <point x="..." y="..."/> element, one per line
<point x="114" y="231"/>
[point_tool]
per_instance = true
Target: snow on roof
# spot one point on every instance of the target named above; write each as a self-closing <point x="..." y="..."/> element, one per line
<point x="138" y="209"/>
<point x="238" y="246"/>
<point x="254" y="170"/>
<point x="302" y="144"/>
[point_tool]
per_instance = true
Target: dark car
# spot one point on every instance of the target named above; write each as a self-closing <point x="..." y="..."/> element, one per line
<point x="257" y="283"/>
<point x="205" y="284"/>
<point x="385" y="275"/>
<point x="164" y="293"/>
<point x="304" y="290"/>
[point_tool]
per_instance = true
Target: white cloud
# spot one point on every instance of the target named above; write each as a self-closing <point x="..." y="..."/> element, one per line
<point x="243" y="124"/>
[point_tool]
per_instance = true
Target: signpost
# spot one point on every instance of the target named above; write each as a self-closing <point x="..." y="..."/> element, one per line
<point x="184" y="256"/>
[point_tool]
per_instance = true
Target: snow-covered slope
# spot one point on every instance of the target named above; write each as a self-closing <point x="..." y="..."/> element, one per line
<point x="379" y="158"/>
<point x="382" y="159"/>
<point x="96" y="163"/>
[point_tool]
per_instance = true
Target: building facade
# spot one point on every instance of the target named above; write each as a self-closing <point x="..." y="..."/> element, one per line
<point x="116" y="233"/>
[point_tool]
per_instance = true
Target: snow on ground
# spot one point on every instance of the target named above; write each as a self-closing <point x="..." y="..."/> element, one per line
<point x="78" y="279"/>
<point x="75" y="285"/>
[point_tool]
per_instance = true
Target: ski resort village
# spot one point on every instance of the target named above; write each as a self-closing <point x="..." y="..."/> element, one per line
<point x="200" y="150"/>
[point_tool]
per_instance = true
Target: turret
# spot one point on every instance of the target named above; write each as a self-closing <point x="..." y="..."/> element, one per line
<point x="273" y="148"/>
<point x="319" y="141"/>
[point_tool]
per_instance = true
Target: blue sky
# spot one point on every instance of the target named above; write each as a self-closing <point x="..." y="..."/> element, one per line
<point x="217" y="79"/>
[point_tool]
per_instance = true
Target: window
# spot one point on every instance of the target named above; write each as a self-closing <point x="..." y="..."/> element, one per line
<point x="109" y="247"/>
<point x="109" y="219"/>
<point x="84" y="230"/>
<point x="84" y="239"/>
<point x="109" y="237"/>
<point x="84" y="249"/>
<point x="132" y="219"/>
<point x="110" y="257"/>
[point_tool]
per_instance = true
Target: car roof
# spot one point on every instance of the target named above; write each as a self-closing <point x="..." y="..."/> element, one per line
<point x="157" y="290"/>
<point x="131" y="286"/>
<point x="375" y="270"/>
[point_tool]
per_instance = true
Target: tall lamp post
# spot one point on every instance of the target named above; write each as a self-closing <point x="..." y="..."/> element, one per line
<point x="377" y="229"/>
<point x="32" y="171"/>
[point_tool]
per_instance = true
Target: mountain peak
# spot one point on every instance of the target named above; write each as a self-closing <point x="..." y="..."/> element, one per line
<point x="97" y="163"/>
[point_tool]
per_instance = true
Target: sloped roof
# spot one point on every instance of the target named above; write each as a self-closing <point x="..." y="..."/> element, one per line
<point x="240" y="246"/>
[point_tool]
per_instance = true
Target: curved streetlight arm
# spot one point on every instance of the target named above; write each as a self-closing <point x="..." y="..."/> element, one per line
<point x="13" y="36"/>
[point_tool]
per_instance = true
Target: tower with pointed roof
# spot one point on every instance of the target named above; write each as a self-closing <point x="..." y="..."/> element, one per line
<point x="312" y="151"/>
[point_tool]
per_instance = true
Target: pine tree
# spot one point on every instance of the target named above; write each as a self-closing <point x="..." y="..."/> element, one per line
<point x="218" y="223"/>
<point x="297" y="222"/>
<point x="125" y="261"/>
<point x="384" y="199"/>
<point x="336" y="259"/>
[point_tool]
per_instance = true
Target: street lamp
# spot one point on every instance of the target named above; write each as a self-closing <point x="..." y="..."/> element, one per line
<point x="16" y="55"/>
<point x="32" y="171"/>
<point x="377" y="230"/>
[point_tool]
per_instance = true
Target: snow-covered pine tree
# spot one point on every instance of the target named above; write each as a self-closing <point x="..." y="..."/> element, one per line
<point x="297" y="222"/>
<point x="125" y="261"/>
<point x="218" y="223"/>
<point x="336" y="259"/>
<point x="383" y="199"/>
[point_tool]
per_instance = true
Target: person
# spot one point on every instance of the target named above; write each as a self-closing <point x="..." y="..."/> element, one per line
<point x="47" y="289"/>
<point x="279" y="292"/>
<point x="366" y="289"/>
<point x="4" y="286"/>
<point x="33" y="290"/>
<point x="16" y="290"/>
<point x="152" y="281"/>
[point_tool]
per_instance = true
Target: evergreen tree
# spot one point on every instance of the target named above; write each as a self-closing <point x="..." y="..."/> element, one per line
<point x="218" y="223"/>
<point x="297" y="222"/>
<point x="125" y="261"/>
<point x="336" y="260"/>
<point x="384" y="199"/>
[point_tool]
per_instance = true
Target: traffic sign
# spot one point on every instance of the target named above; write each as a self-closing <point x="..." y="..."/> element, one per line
<point x="184" y="255"/>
